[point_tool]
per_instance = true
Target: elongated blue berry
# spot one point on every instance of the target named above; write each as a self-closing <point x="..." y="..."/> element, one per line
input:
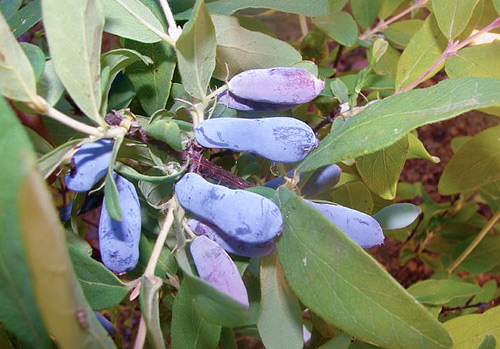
<point x="242" y="215"/>
<point x="281" y="85"/>
<point x="90" y="162"/>
<point x="217" y="268"/>
<point x="280" y="139"/>
<point x="119" y="240"/>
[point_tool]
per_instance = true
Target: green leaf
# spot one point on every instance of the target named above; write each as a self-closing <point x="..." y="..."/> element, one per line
<point x="483" y="258"/>
<point x="63" y="307"/>
<point x="341" y="341"/>
<point x="380" y="170"/>
<point x="354" y="195"/>
<point x="111" y="198"/>
<point x="240" y="49"/>
<point x="129" y="172"/>
<point x="166" y="131"/>
<point x="190" y="330"/>
<point x="388" y="7"/>
<point x="17" y="79"/>
<point x="452" y="16"/>
<point x="228" y="7"/>
<point x="8" y="8"/>
<point x="416" y="150"/>
<point x="50" y="161"/>
<point x="149" y="300"/>
<point x="365" y="11"/>
<point x="442" y="291"/>
<point x="340" y="90"/>
<point x="401" y="32"/>
<point x="26" y="18"/>
<point x="280" y="322"/>
<point x="122" y="23"/>
<point x="214" y="305"/>
<point x="74" y="34"/>
<point x="18" y="308"/>
<point x="469" y="331"/>
<point x="36" y="57"/>
<point x="152" y="82"/>
<point x="383" y="123"/>
<point x="196" y="52"/>
<point x="496" y="3"/>
<point x="340" y="282"/>
<point x="101" y="287"/>
<point x="489" y="342"/>
<point x="476" y="163"/>
<point x="340" y="26"/>
<point x="49" y="86"/>
<point x="424" y="48"/>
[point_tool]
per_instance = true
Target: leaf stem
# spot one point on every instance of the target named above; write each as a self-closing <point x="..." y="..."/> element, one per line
<point x="140" y="340"/>
<point x="475" y="242"/>
<point x="173" y="29"/>
<point x="159" y="33"/>
<point x="451" y="49"/>
<point x="382" y="25"/>
<point x="217" y="92"/>
<point x="162" y="237"/>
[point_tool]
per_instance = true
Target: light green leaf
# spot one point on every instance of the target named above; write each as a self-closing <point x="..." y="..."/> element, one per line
<point x="469" y="331"/>
<point x="101" y="287"/>
<point x="383" y="123"/>
<point x="397" y="216"/>
<point x="340" y="282"/>
<point x="483" y="258"/>
<point x="18" y="309"/>
<point x="452" y="16"/>
<point x="36" y="57"/>
<point x="50" y="161"/>
<point x="340" y="26"/>
<point x="63" y="307"/>
<point x="476" y="163"/>
<point x="74" y="33"/>
<point x="25" y="18"/>
<point x="111" y="197"/>
<point x="416" y="150"/>
<point x="129" y="172"/>
<point x="496" y="3"/>
<point x="401" y="32"/>
<point x="17" y="79"/>
<point x="49" y="86"/>
<point x="228" y="7"/>
<point x="354" y="195"/>
<point x="240" y="49"/>
<point x="189" y="330"/>
<point x="380" y="170"/>
<point x="280" y="323"/>
<point x="121" y="22"/>
<point x="152" y="82"/>
<point x="196" y="49"/>
<point x="388" y="7"/>
<point x="365" y="11"/>
<point x="150" y="303"/>
<point x="422" y="51"/>
<point x="442" y="291"/>
<point x="166" y="131"/>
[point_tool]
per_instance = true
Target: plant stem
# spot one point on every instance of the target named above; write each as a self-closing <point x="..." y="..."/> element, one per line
<point x="475" y="242"/>
<point x="217" y="92"/>
<point x="451" y="49"/>
<point x="160" y="34"/>
<point x="382" y="25"/>
<point x="141" y="335"/>
<point x="173" y="30"/>
<point x="303" y="25"/>
<point x="162" y="237"/>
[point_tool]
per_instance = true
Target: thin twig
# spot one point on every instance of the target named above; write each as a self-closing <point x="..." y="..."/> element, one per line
<point x="140" y="340"/>
<point x="382" y="25"/>
<point x="475" y="242"/>
<point x="303" y="25"/>
<point x="173" y="29"/>
<point x="451" y="49"/>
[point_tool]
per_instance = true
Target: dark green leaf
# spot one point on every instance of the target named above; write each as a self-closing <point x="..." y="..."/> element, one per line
<point x="36" y="57"/>
<point x="196" y="52"/>
<point x="49" y="86"/>
<point x="442" y="291"/>
<point x="189" y="330"/>
<point x="10" y="7"/>
<point x="50" y="161"/>
<point x="489" y="342"/>
<point x="166" y="131"/>
<point x="26" y="18"/>
<point x="152" y="82"/>
<point x="416" y="150"/>
<point x="280" y="323"/>
<point x="101" y="287"/>
<point x="383" y="123"/>
<point x="401" y="32"/>
<point x="365" y="11"/>
<point x="18" y="309"/>
<point x="340" y="282"/>
<point x="129" y="172"/>
<point x="354" y="195"/>
<point x="476" y="163"/>
<point x="340" y="26"/>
